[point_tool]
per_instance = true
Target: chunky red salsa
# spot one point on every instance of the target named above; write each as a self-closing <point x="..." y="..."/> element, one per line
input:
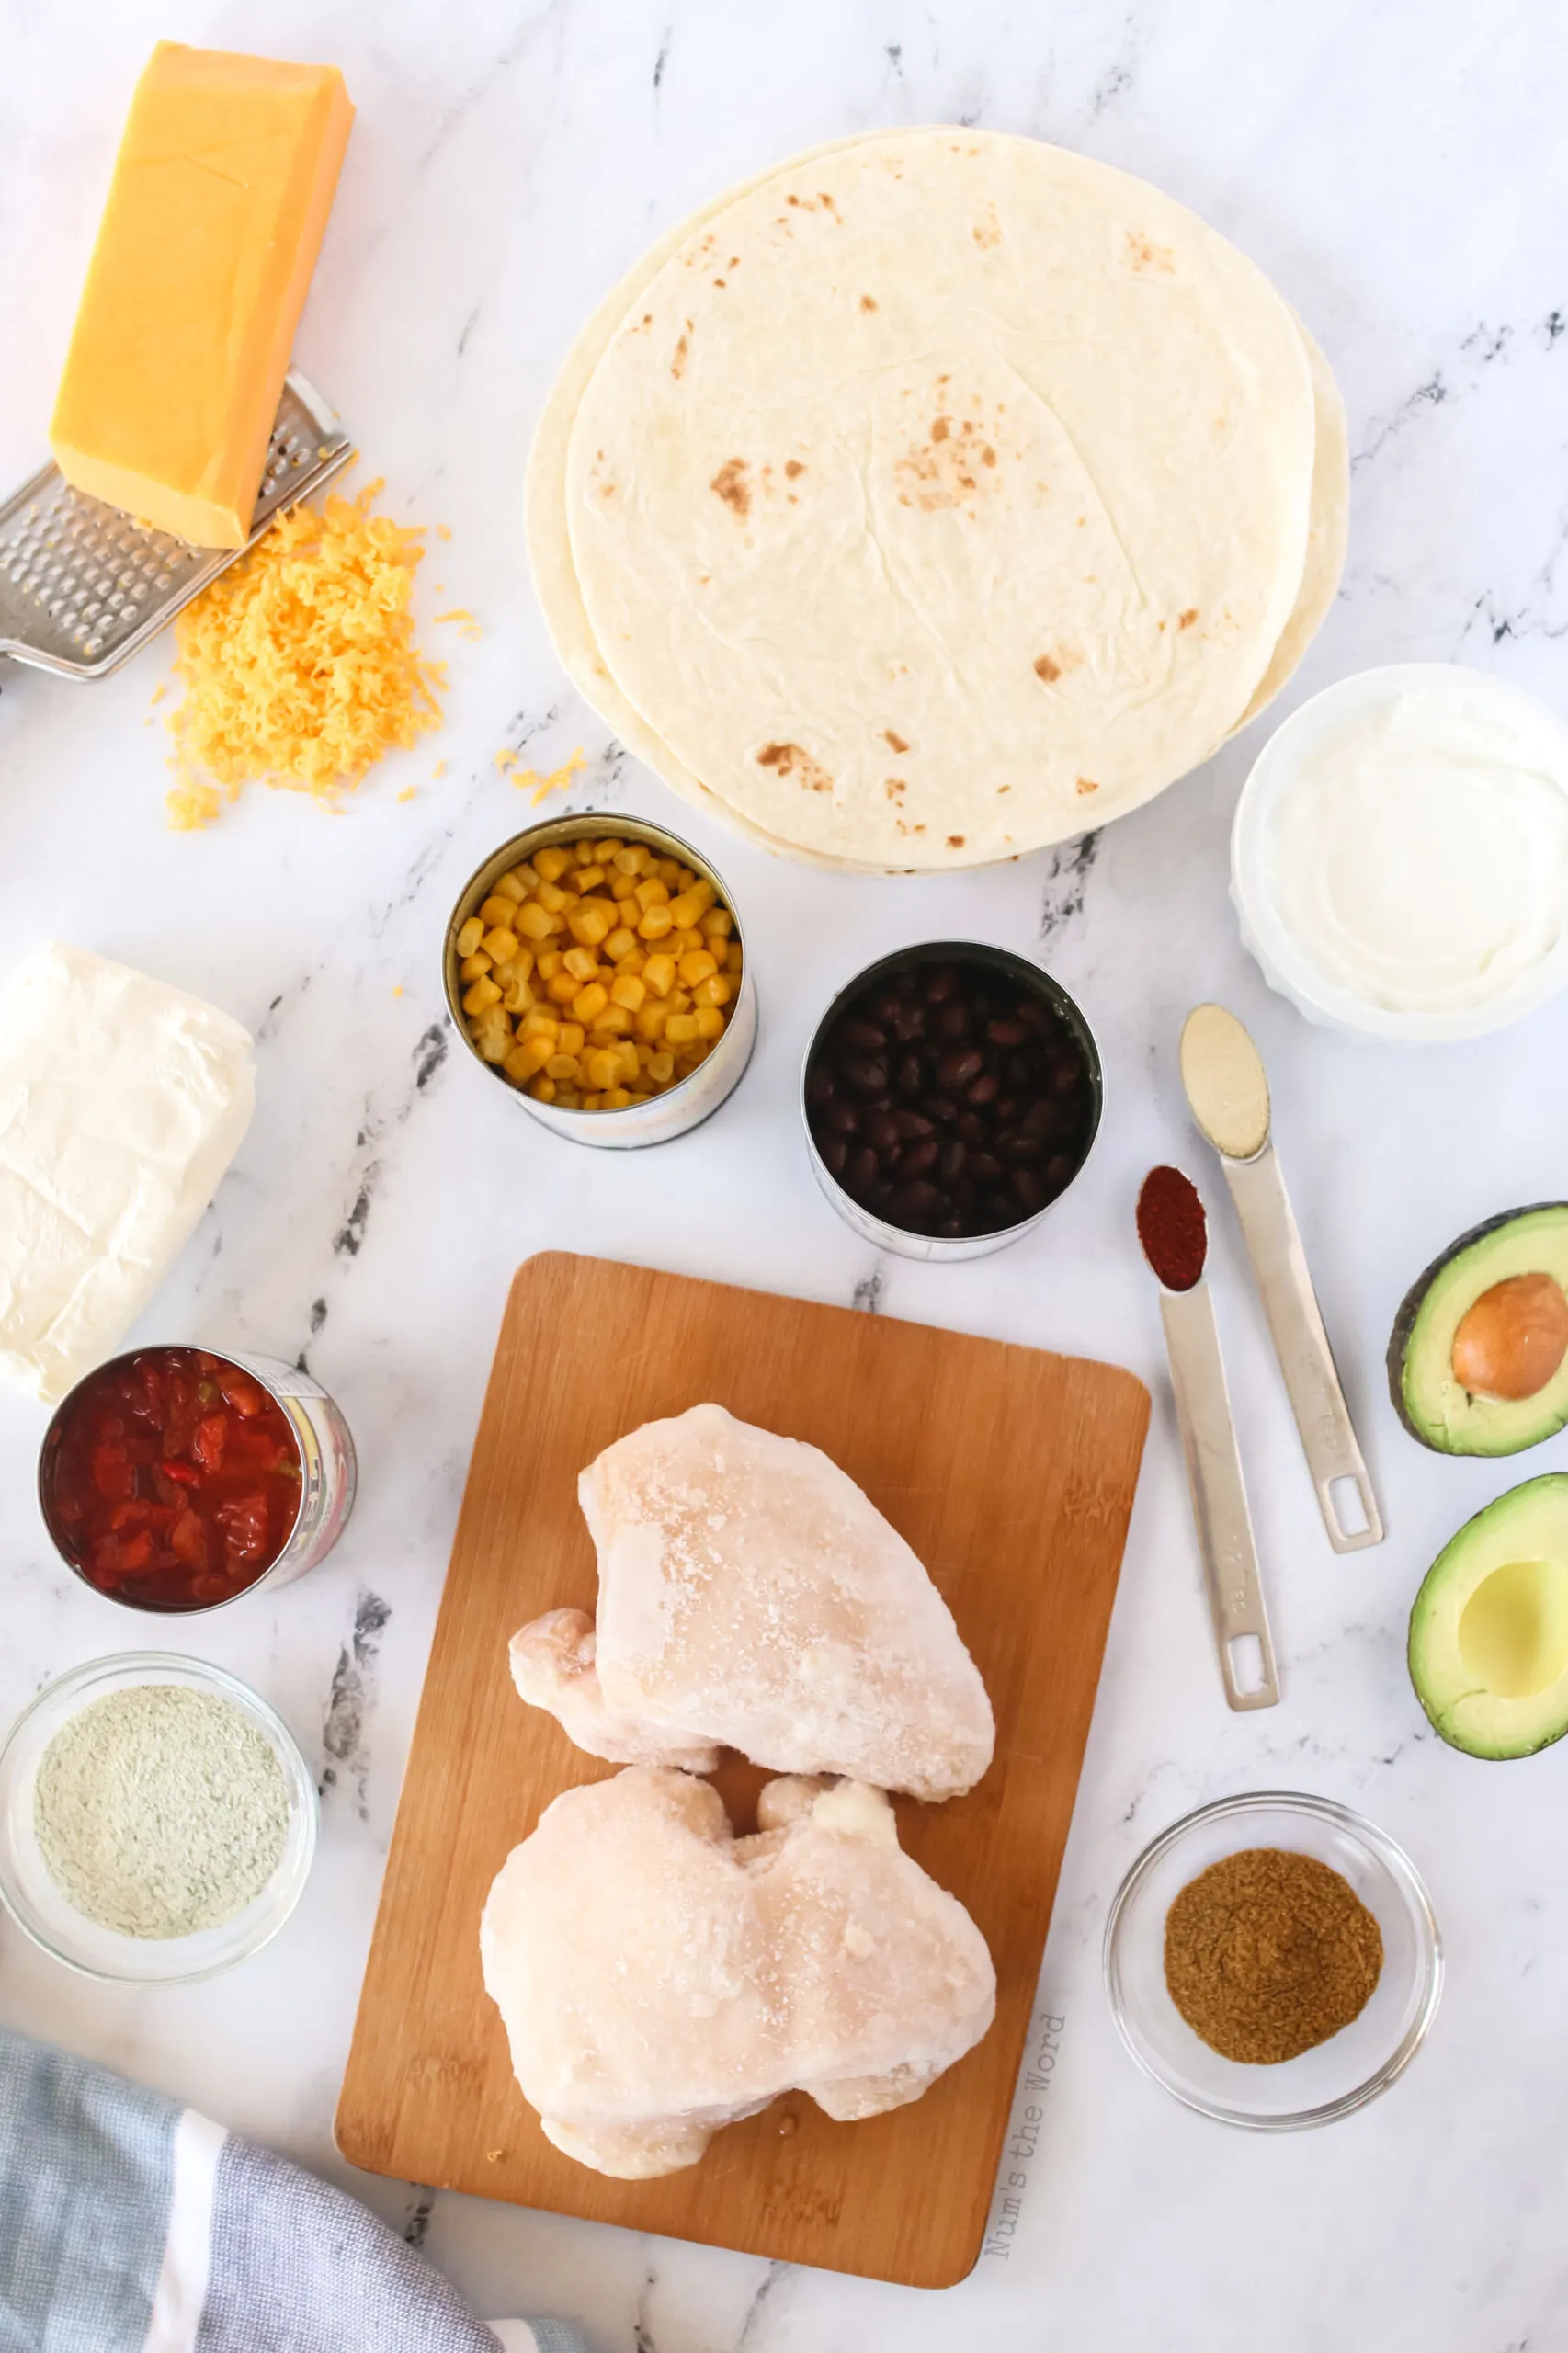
<point x="172" y="1479"/>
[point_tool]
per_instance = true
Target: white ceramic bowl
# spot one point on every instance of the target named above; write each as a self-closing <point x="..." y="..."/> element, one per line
<point x="1364" y="2058"/>
<point x="36" y="1903"/>
<point x="1286" y="965"/>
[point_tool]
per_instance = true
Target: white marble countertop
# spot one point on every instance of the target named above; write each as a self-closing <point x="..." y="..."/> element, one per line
<point x="1401" y="173"/>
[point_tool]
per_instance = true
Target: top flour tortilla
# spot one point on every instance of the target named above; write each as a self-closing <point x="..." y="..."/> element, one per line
<point x="942" y="572"/>
<point x="566" y="616"/>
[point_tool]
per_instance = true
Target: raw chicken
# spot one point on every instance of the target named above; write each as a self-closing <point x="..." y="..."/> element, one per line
<point x="552" y="1666"/>
<point x="660" y="1978"/>
<point x="750" y="1595"/>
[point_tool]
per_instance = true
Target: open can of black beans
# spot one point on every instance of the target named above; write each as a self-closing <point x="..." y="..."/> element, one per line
<point x="950" y="1094"/>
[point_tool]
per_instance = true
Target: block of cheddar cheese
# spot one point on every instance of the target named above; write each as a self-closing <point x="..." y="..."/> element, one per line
<point x="221" y="193"/>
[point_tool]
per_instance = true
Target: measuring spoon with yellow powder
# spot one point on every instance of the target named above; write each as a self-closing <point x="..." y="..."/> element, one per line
<point x="1227" y="1092"/>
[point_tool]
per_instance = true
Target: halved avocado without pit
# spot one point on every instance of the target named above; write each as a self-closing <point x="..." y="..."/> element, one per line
<point x="1477" y="1363"/>
<point x="1489" y="1628"/>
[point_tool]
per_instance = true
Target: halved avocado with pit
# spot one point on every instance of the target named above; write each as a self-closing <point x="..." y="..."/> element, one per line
<point x="1477" y="1363"/>
<point x="1489" y="1630"/>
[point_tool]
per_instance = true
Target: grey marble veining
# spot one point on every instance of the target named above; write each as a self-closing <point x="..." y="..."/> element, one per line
<point x="1401" y="173"/>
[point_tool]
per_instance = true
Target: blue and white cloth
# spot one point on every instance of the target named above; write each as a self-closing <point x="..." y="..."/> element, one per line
<point x="130" y="2224"/>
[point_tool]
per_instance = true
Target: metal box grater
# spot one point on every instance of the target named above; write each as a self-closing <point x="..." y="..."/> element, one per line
<point x="83" y="585"/>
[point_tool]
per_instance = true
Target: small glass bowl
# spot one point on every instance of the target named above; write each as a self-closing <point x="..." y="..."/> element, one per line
<point x="1354" y="2065"/>
<point x="37" y="1904"/>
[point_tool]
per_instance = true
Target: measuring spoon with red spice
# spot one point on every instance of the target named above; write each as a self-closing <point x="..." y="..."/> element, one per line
<point x="1175" y="1235"/>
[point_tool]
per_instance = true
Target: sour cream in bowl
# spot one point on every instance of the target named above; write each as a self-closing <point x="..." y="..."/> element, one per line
<point x="1400" y="855"/>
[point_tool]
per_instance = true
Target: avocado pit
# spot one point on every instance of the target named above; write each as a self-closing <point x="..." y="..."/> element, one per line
<point x="1512" y="1341"/>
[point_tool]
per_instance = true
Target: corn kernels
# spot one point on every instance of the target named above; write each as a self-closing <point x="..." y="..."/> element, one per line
<point x="627" y="990"/>
<point x="654" y="924"/>
<point x="484" y="991"/>
<point x="589" y="1003"/>
<point x="501" y="945"/>
<point x="550" y="864"/>
<point x="469" y="938"/>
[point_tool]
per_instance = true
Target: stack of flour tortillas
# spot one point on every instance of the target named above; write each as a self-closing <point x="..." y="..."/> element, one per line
<point x="935" y="497"/>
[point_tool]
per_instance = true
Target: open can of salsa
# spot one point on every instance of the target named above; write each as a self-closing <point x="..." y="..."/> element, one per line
<point x="175" y="1480"/>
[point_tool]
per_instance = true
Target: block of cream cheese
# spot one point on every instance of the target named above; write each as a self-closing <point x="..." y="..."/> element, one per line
<point x="214" y="218"/>
<point x="122" y="1101"/>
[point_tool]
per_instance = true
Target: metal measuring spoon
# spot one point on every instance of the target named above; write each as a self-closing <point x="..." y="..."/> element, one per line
<point x="1208" y="1434"/>
<point x="1227" y="1091"/>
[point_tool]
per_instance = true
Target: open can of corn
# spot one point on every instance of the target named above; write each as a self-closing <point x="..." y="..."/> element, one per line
<point x="595" y="967"/>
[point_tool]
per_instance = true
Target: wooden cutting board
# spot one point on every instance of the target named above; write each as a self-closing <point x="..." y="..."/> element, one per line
<point x="1011" y="1473"/>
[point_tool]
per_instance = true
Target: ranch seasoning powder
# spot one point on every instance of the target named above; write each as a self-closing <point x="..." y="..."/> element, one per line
<point x="160" y="1810"/>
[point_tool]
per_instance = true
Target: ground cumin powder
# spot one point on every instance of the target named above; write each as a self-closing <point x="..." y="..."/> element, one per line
<point x="1269" y="1953"/>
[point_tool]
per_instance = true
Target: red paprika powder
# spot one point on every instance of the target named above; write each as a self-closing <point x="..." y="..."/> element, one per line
<point x="1172" y="1228"/>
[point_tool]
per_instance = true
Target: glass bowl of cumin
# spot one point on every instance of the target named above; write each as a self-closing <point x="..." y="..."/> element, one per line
<point x="1336" y="2075"/>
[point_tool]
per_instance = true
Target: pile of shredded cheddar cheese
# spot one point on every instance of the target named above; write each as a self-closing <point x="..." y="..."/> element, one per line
<point x="299" y="664"/>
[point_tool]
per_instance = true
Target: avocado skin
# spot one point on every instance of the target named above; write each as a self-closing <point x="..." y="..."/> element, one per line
<point x="1427" y="1594"/>
<point x="1410" y="1307"/>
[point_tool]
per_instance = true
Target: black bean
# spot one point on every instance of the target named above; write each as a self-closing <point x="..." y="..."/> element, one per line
<point x="1004" y="1110"/>
<point x="908" y="1023"/>
<point x="1028" y="1189"/>
<point x="940" y="982"/>
<point x="999" y="1211"/>
<point x="866" y="1037"/>
<point x="835" y="1151"/>
<point x="910" y="1075"/>
<point x="952" y="1229"/>
<point x="840" y="1117"/>
<point x="819" y="1083"/>
<point x="1064" y="1079"/>
<point x="863" y="1073"/>
<point x="952" y="1021"/>
<point x="912" y="1204"/>
<point x="1017" y="1148"/>
<point x="1005" y="1033"/>
<point x="956" y="1069"/>
<point x="1058" y="1171"/>
<point x="973" y="1130"/>
<point x="879" y="1194"/>
<point x="909" y="1125"/>
<point x="966" y="1192"/>
<point x="916" y="1158"/>
<point x="985" y="1091"/>
<point x="1040" y="1117"/>
<point x="939" y="1107"/>
<point x="949" y="1168"/>
<point x="985" y="1167"/>
<point x="1029" y="1014"/>
<point x="881" y="1130"/>
<point x="861" y="1170"/>
<point x="1020" y="1069"/>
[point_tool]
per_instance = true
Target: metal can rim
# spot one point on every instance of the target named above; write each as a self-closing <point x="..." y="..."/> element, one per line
<point x="587" y="824"/>
<point x="148" y="1609"/>
<point x="957" y="1250"/>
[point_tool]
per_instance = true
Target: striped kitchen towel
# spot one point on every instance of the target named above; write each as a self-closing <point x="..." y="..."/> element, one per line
<point x="129" y="2224"/>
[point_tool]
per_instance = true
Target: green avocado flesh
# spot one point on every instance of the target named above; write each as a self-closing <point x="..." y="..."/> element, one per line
<point x="1426" y="1396"/>
<point x="1489" y="1630"/>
